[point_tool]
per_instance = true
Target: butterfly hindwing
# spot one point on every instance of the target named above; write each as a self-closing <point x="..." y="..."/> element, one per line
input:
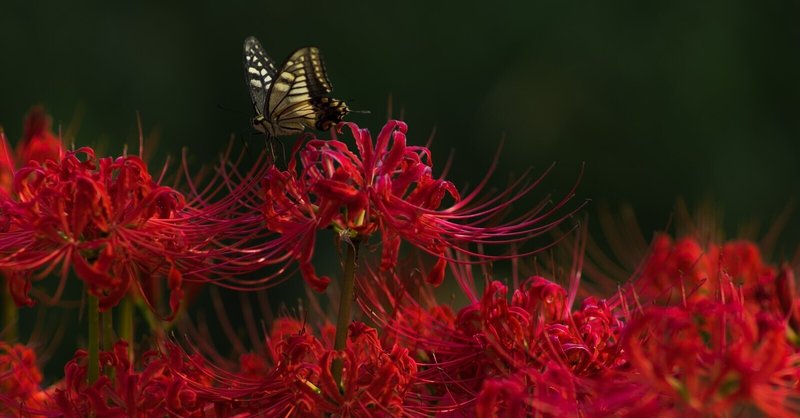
<point x="327" y="111"/>
<point x="260" y="73"/>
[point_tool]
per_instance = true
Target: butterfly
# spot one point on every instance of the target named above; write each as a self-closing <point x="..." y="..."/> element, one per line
<point x="297" y="97"/>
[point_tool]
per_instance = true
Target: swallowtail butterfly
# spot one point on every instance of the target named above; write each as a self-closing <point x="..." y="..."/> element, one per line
<point x="296" y="97"/>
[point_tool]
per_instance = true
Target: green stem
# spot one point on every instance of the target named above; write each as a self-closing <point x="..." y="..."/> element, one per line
<point x="108" y="337"/>
<point x="108" y="330"/>
<point x="125" y="325"/>
<point x="345" y="307"/>
<point x="10" y="324"/>
<point x="94" y="339"/>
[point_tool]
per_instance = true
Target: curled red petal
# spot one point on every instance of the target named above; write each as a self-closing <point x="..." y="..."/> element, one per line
<point x="95" y="277"/>
<point x="318" y="283"/>
<point x="19" y="285"/>
<point x="436" y="275"/>
<point x="174" y="282"/>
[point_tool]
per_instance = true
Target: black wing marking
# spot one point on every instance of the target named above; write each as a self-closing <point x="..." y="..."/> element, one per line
<point x="329" y="112"/>
<point x="300" y="94"/>
<point x="259" y="71"/>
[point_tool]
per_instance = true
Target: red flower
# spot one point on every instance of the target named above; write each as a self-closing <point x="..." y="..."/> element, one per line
<point x="116" y="226"/>
<point x="499" y="347"/>
<point x="387" y="186"/>
<point x="551" y="392"/>
<point x="38" y="142"/>
<point x="151" y="391"/>
<point x="295" y="378"/>
<point x="710" y="357"/>
<point x="19" y="379"/>
<point x="708" y="333"/>
<point x="717" y="339"/>
<point x="686" y="270"/>
<point x="108" y="220"/>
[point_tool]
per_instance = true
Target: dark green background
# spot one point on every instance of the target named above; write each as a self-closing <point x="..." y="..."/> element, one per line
<point x="672" y="99"/>
<point x="660" y="100"/>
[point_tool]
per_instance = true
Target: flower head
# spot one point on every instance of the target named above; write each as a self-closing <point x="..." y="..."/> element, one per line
<point x="38" y="141"/>
<point x="19" y="378"/>
<point x="146" y="390"/>
<point x="387" y="186"/>
<point x="105" y="218"/>
<point x="294" y="377"/>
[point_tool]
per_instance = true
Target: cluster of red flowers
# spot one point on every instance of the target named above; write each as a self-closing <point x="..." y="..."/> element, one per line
<point x="700" y="328"/>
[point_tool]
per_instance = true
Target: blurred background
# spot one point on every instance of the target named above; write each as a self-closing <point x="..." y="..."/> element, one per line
<point x="668" y="100"/>
<point x="660" y="101"/>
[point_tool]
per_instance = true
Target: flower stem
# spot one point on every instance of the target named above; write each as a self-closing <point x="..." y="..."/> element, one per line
<point x="108" y="337"/>
<point x="345" y="306"/>
<point x="94" y="339"/>
<point x="108" y="330"/>
<point x="10" y="315"/>
<point x="125" y="325"/>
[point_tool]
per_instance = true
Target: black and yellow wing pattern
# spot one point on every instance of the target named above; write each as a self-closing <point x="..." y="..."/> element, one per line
<point x="294" y="98"/>
<point x="259" y="72"/>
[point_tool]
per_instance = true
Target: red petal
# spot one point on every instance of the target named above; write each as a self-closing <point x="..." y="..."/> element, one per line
<point x="19" y="286"/>
<point x="436" y="276"/>
<point x="174" y="281"/>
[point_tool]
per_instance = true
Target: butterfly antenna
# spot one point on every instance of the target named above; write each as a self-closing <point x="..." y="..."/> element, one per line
<point x="351" y="101"/>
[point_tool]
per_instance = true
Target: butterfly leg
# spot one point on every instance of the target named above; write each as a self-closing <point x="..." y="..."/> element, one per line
<point x="269" y="144"/>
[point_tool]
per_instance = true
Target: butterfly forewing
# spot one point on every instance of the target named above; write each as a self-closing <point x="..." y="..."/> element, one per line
<point x="259" y="72"/>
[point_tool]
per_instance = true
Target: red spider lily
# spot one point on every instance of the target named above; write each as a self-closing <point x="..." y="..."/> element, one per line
<point x="712" y="358"/>
<point x="151" y="391"/>
<point x="713" y="347"/>
<point x="549" y="392"/>
<point x="19" y="379"/>
<point x="388" y="186"/>
<point x="114" y="225"/>
<point x="686" y="270"/>
<point x="717" y="341"/>
<point x="534" y="332"/>
<point x="295" y="378"/>
<point x="38" y="142"/>
<point x="106" y="218"/>
<point x="495" y="346"/>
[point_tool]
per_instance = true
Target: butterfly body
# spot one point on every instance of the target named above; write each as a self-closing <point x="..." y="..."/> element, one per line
<point x="296" y="97"/>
